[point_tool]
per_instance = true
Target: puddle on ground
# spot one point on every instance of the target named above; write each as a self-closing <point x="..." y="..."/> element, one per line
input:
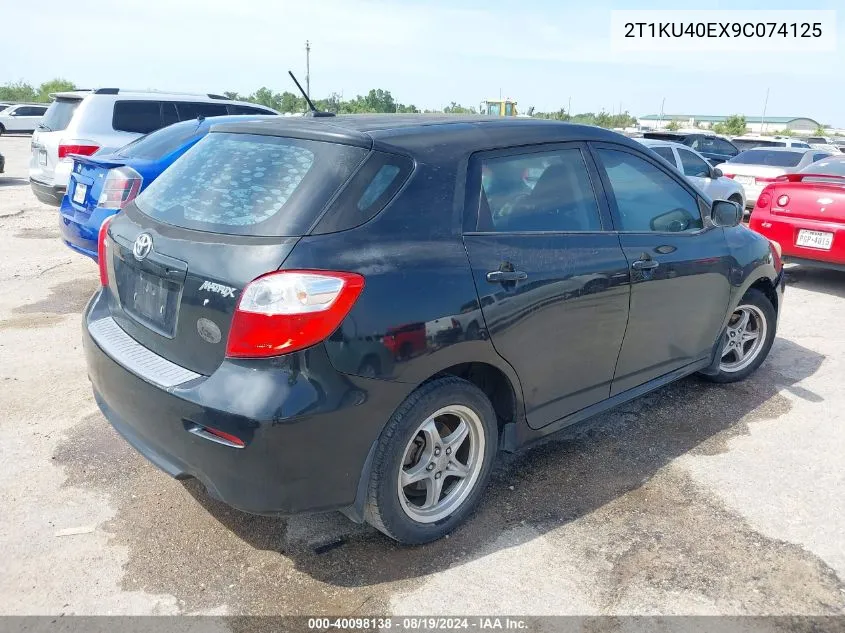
<point x="65" y="298"/>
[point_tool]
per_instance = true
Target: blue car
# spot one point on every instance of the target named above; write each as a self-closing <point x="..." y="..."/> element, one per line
<point x="101" y="185"/>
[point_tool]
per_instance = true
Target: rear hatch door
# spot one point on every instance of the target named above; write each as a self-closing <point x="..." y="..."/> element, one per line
<point x="46" y="137"/>
<point x="230" y="210"/>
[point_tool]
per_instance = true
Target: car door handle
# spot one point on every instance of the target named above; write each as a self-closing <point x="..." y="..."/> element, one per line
<point x="645" y="264"/>
<point x="498" y="276"/>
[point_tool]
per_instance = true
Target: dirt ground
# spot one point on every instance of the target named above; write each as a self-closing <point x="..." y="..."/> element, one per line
<point x="695" y="499"/>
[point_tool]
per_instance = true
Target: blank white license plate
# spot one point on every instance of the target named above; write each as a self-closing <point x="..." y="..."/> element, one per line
<point x="42" y="157"/>
<point x="814" y="239"/>
<point x="744" y="180"/>
<point x="79" y="193"/>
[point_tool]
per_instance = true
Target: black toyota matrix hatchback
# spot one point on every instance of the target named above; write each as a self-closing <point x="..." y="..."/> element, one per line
<point x="357" y="313"/>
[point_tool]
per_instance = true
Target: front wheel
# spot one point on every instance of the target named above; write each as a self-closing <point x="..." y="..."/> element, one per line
<point x="432" y="461"/>
<point x="748" y="338"/>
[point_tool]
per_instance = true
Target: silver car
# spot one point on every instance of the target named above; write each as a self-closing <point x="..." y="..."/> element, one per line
<point x="697" y="170"/>
<point x="757" y="168"/>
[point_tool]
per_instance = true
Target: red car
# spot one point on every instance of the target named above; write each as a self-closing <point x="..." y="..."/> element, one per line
<point x="805" y="214"/>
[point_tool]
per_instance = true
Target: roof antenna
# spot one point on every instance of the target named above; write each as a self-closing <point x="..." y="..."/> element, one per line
<point x="312" y="110"/>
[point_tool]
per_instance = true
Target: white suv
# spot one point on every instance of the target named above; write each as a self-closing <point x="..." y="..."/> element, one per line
<point x="21" y="118"/>
<point x="86" y="121"/>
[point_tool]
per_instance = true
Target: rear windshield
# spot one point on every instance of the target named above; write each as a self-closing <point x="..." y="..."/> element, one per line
<point x="248" y="184"/>
<point x="764" y="157"/>
<point x="161" y="142"/>
<point x="59" y="114"/>
<point x="830" y="167"/>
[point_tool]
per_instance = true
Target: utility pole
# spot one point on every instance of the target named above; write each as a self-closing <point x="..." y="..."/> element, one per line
<point x="308" y="68"/>
<point x="662" y="103"/>
<point x="569" y="108"/>
<point x="763" y="118"/>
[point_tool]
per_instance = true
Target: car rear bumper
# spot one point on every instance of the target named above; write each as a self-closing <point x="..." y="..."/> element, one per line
<point x="79" y="231"/>
<point x="48" y="194"/>
<point x="308" y="430"/>
<point x="784" y="230"/>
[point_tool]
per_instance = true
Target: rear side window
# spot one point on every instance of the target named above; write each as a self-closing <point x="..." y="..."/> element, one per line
<point x="547" y="191"/>
<point x="666" y="154"/>
<point x="648" y="199"/>
<point x="59" y="114"/>
<point x="196" y="110"/>
<point x="241" y="109"/>
<point x="247" y="184"/>
<point x="141" y="117"/>
<point x="161" y="142"/>
<point x="820" y="156"/>
<point x="372" y="187"/>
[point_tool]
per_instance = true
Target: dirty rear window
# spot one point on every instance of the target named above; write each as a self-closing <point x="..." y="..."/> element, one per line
<point x="59" y="114"/>
<point x="768" y="158"/>
<point x="247" y="184"/>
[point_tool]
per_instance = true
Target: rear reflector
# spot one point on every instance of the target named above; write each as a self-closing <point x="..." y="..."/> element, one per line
<point x="289" y="310"/>
<point x="120" y="188"/>
<point x="102" y="259"/>
<point x="218" y="436"/>
<point x="66" y="150"/>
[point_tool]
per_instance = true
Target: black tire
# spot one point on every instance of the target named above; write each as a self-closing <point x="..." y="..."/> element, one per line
<point x="738" y="199"/>
<point x="384" y="510"/>
<point x="2" y="130"/>
<point x="759" y="300"/>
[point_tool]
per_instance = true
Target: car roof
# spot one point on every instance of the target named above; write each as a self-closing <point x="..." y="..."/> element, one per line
<point x="423" y="132"/>
<point x="656" y="142"/>
<point x="150" y="94"/>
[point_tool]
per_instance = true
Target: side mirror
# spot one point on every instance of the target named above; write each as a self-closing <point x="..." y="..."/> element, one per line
<point x="717" y="173"/>
<point x="726" y="213"/>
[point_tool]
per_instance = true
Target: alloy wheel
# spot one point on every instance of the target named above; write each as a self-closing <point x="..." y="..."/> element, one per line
<point x="744" y="339"/>
<point x="441" y="464"/>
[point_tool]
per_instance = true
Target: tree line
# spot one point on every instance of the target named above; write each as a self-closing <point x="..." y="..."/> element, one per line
<point x="375" y="101"/>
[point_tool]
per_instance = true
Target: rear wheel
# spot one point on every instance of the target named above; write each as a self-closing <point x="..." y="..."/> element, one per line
<point x="748" y="338"/>
<point x="2" y="130"/>
<point x="432" y="462"/>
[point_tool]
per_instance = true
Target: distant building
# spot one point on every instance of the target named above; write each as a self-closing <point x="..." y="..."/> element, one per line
<point x="770" y="124"/>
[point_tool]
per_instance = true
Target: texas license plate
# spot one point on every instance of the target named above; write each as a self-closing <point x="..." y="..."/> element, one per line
<point x="744" y="180"/>
<point x="79" y="193"/>
<point x="814" y="239"/>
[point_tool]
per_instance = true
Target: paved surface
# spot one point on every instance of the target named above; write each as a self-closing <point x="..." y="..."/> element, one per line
<point x="695" y="499"/>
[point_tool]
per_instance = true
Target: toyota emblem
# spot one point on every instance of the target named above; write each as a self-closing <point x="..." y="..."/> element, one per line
<point x="142" y="246"/>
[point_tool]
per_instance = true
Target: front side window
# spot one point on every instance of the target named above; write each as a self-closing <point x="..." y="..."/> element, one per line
<point x="693" y="165"/>
<point x="548" y="191"/>
<point x="647" y="198"/>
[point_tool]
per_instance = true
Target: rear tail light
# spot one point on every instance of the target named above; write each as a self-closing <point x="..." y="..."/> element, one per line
<point x="764" y="179"/>
<point x="120" y="188"/>
<point x="289" y="310"/>
<point x="729" y="176"/>
<point x="764" y="199"/>
<point x="783" y="200"/>
<point x="83" y="149"/>
<point x="102" y="259"/>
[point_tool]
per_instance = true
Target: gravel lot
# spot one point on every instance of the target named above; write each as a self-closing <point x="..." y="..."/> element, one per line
<point x="695" y="499"/>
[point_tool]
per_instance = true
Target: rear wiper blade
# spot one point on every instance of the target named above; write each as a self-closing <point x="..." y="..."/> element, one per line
<point x="41" y="126"/>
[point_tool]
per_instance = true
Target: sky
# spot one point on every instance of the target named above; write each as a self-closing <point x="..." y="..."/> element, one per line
<point x="543" y="53"/>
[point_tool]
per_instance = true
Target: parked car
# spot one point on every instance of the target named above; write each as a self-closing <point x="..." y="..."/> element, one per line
<point x="805" y="213"/>
<point x="83" y="122"/>
<point x="714" y="148"/>
<point x="699" y="172"/>
<point x="749" y="141"/>
<point x="2" y="163"/>
<point x="101" y="185"/>
<point x="754" y="169"/>
<point x="213" y="343"/>
<point x="826" y="147"/>
<point x="21" y="118"/>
